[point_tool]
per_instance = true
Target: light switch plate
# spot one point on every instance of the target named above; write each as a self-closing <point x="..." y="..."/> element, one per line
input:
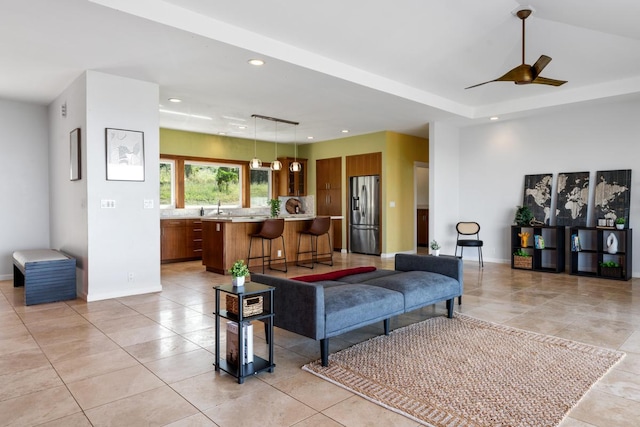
<point x="107" y="204"/>
<point x="148" y="203"/>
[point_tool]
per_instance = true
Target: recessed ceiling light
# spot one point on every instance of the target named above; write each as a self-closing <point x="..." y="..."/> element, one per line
<point x="494" y="118"/>
<point x="345" y="131"/>
<point x="242" y="127"/>
<point x="176" y="100"/>
<point x="256" y="62"/>
<point x="309" y="137"/>
<point x="222" y="133"/>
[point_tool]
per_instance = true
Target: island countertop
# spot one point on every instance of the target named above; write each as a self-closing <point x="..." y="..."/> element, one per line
<point x="226" y="240"/>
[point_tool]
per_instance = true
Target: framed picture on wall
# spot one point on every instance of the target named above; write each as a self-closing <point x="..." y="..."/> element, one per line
<point x="125" y="155"/>
<point x="75" y="166"/>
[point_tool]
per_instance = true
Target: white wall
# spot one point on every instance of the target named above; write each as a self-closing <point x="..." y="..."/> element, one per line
<point x="495" y="157"/>
<point x="69" y="230"/>
<point x="444" y="177"/>
<point x="24" y="217"/>
<point x="111" y="243"/>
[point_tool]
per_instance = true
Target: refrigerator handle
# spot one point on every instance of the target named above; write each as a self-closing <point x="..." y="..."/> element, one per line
<point x="365" y="196"/>
<point x="355" y="205"/>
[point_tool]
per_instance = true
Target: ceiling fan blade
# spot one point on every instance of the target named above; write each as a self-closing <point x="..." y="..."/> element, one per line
<point x="480" y="84"/>
<point x="542" y="62"/>
<point x="545" y="81"/>
<point x="511" y="76"/>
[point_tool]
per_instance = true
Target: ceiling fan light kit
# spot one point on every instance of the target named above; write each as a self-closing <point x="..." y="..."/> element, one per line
<point x="524" y="73"/>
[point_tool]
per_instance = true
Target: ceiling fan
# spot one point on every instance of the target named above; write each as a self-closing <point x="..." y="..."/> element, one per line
<point x="525" y="74"/>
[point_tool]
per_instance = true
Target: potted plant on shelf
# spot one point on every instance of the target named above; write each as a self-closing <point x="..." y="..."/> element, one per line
<point x="523" y="216"/>
<point x="435" y="248"/>
<point x="522" y="259"/>
<point x="611" y="269"/>
<point x="620" y="223"/>
<point x="274" y="204"/>
<point x="239" y="271"/>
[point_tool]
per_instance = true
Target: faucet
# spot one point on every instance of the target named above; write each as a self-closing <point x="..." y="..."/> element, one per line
<point x="218" y="206"/>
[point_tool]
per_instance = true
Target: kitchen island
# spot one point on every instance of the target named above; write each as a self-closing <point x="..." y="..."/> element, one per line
<point x="226" y="240"/>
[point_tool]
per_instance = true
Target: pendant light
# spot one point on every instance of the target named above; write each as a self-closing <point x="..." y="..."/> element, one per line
<point x="276" y="165"/>
<point x="255" y="163"/>
<point x="295" y="166"/>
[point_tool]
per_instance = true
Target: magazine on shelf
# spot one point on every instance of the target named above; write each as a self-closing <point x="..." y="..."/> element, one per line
<point x="233" y="352"/>
<point x="539" y="241"/>
<point x="575" y="243"/>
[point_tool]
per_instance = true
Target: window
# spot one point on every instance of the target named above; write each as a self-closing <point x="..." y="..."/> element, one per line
<point x="207" y="184"/>
<point x="260" y="187"/>
<point x="167" y="183"/>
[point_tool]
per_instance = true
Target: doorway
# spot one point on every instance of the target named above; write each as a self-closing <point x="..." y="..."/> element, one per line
<point x="421" y="200"/>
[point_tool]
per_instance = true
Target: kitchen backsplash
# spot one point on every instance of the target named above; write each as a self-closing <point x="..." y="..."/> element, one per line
<point x="306" y="206"/>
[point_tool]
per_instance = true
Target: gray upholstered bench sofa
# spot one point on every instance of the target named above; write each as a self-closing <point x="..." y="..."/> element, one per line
<point x="328" y="305"/>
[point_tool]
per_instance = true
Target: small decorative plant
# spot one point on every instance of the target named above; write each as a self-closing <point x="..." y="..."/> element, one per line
<point x="521" y="252"/>
<point x="620" y="220"/>
<point x="610" y="264"/>
<point x="238" y="271"/>
<point x="434" y="245"/>
<point x="523" y="215"/>
<point x="274" y="204"/>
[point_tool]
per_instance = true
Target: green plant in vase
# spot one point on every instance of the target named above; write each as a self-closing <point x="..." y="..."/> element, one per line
<point x="435" y="248"/>
<point x="523" y="215"/>
<point x="620" y="223"/>
<point x="239" y="270"/>
<point x="274" y="204"/>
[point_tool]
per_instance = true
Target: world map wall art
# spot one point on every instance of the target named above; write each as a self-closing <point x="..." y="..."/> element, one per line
<point x="612" y="197"/>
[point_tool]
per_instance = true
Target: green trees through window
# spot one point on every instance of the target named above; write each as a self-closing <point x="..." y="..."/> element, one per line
<point x="206" y="184"/>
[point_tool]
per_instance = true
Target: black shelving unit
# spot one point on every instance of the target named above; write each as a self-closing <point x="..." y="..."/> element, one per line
<point x="591" y="251"/>
<point x="549" y="259"/>
<point x="249" y="290"/>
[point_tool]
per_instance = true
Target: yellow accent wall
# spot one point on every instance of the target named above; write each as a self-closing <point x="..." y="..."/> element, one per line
<point x="399" y="152"/>
<point x="182" y="143"/>
<point x="398" y="172"/>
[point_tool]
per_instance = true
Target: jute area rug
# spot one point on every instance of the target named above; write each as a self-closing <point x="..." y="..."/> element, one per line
<point x="468" y="372"/>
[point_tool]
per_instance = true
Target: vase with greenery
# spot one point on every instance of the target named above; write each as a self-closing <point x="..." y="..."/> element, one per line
<point x="523" y="216"/>
<point x="238" y="271"/>
<point x="274" y="204"/>
<point x="620" y="223"/>
<point x="435" y="248"/>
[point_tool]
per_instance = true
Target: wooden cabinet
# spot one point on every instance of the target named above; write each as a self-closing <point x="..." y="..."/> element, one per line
<point x="213" y="255"/>
<point x="180" y="240"/>
<point x="547" y="256"/>
<point x="329" y="194"/>
<point x="423" y="227"/>
<point x="292" y="183"/>
<point x="590" y="254"/>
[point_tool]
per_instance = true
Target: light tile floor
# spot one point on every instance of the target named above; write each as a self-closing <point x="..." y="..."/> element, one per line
<point x="147" y="360"/>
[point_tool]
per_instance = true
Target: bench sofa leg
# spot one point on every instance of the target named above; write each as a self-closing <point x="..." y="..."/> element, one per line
<point x="386" y="326"/>
<point x="324" y="351"/>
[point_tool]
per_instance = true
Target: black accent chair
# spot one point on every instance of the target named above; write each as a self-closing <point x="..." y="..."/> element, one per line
<point x="319" y="226"/>
<point x="466" y="229"/>
<point x="271" y="229"/>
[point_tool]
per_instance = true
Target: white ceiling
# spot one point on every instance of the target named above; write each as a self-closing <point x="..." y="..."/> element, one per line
<point x="362" y="65"/>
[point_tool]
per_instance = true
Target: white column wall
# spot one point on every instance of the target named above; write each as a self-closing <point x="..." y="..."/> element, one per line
<point x="125" y="240"/>
<point x="444" y="206"/>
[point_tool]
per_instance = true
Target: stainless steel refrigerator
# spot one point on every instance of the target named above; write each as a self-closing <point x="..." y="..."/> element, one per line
<point x="364" y="214"/>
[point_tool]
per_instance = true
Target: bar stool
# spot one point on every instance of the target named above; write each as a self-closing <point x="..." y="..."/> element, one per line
<point x="271" y="229"/>
<point x="319" y="226"/>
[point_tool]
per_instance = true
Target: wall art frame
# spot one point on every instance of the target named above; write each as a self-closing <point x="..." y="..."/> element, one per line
<point x="124" y="154"/>
<point x="75" y="162"/>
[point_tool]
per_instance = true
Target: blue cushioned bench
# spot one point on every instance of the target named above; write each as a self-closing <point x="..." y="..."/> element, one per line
<point x="46" y="274"/>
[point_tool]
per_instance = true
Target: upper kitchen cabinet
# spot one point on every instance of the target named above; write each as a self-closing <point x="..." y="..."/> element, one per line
<point x="328" y="186"/>
<point x="292" y="183"/>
